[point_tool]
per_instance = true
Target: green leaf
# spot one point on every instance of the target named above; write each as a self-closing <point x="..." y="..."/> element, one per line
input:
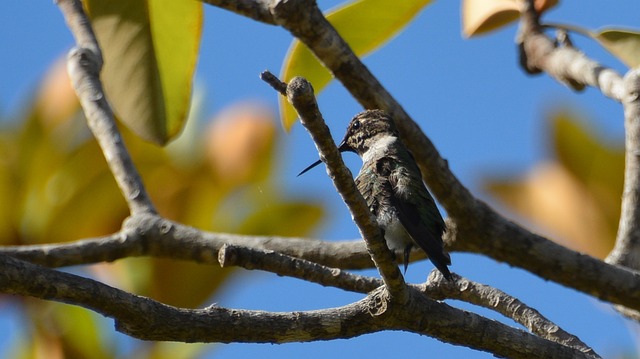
<point x="150" y="50"/>
<point x="623" y="44"/>
<point x="365" y="24"/>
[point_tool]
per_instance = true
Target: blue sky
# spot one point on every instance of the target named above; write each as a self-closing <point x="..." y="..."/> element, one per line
<point x="470" y="97"/>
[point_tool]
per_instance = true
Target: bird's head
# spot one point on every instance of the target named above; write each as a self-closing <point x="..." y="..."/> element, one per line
<point x="364" y="130"/>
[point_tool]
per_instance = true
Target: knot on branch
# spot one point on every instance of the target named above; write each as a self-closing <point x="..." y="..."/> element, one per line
<point x="378" y="302"/>
<point x="85" y="60"/>
<point x="146" y="228"/>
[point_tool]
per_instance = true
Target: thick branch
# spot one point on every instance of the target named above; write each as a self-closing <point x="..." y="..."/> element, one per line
<point x="84" y="65"/>
<point x="508" y="242"/>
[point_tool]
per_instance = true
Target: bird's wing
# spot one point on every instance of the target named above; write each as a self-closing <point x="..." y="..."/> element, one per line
<point x="417" y="212"/>
<point x="368" y="183"/>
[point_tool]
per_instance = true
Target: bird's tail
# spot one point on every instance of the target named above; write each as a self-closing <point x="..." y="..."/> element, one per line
<point x="441" y="260"/>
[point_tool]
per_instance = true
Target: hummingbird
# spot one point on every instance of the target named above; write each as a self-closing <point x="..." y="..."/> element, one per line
<point x="391" y="184"/>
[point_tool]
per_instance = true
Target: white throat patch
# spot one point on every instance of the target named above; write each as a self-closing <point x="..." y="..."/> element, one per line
<point x="379" y="148"/>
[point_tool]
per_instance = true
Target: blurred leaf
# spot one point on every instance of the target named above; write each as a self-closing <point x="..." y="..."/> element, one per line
<point x="483" y="16"/>
<point x="60" y="331"/>
<point x="8" y="182"/>
<point x="240" y="143"/>
<point x="39" y="158"/>
<point x="365" y="25"/>
<point x="551" y="198"/>
<point x="284" y="219"/>
<point x="56" y="100"/>
<point x="150" y="50"/>
<point x="67" y="192"/>
<point x="598" y="165"/>
<point x="623" y="44"/>
<point x="169" y="350"/>
<point x="184" y="284"/>
<point x="577" y="197"/>
<point x="80" y="333"/>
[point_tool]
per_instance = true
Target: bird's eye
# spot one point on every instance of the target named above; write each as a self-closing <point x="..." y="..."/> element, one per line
<point x="356" y="125"/>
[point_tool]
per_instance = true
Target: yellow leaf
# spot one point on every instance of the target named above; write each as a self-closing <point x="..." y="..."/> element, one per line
<point x="597" y="164"/>
<point x="173" y="350"/>
<point x="482" y="16"/>
<point x="623" y="44"/>
<point x="576" y="197"/>
<point x="286" y="219"/>
<point x="150" y="50"/>
<point x="554" y="200"/>
<point x="8" y="184"/>
<point x="168" y="285"/>
<point x="80" y="333"/>
<point x="365" y="24"/>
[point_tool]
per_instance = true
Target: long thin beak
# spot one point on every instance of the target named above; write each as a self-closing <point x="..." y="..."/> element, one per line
<point x="342" y="148"/>
<point x="310" y="167"/>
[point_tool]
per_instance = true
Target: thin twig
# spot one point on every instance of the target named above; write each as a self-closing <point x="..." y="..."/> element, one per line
<point x="626" y="251"/>
<point x="84" y="65"/>
<point x="281" y="264"/>
<point x="494" y="299"/>
<point x="274" y="82"/>
<point x="436" y="288"/>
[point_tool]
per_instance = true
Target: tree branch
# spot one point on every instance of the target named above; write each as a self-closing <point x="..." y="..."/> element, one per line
<point x="436" y="287"/>
<point x="147" y="319"/>
<point x="84" y="63"/>
<point x="281" y="264"/>
<point x="255" y="9"/>
<point x="151" y="235"/>
<point x="494" y="299"/>
<point x="626" y="251"/>
<point x="566" y="64"/>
